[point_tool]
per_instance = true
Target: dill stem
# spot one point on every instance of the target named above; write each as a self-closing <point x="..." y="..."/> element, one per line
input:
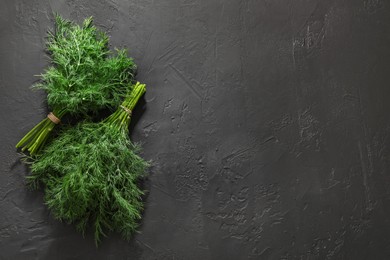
<point x="34" y="140"/>
<point x="120" y="118"/>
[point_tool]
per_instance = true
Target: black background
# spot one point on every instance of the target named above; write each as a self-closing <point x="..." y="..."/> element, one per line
<point x="267" y="122"/>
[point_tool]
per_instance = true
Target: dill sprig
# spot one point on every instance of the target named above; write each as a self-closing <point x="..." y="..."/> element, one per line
<point x="84" y="78"/>
<point x="90" y="174"/>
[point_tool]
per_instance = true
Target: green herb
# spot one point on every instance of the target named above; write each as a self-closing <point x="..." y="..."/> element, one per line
<point x="90" y="174"/>
<point x="85" y="77"/>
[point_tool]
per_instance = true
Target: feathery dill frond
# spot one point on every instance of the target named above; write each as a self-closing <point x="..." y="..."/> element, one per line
<point x="90" y="174"/>
<point x="85" y="76"/>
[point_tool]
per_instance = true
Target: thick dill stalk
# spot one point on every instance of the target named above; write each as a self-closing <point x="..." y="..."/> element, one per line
<point x="122" y="116"/>
<point x="37" y="137"/>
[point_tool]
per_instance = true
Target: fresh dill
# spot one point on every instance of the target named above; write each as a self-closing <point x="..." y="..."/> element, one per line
<point x="90" y="173"/>
<point x="85" y="77"/>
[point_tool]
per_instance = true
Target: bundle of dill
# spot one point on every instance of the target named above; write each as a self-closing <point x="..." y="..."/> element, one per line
<point x="90" y="173"/>
<point x="85" y="77"/>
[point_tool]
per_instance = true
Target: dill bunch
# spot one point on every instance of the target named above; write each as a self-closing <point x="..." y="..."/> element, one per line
<point x="90" y="174"/>
<point x="84" y="77"/>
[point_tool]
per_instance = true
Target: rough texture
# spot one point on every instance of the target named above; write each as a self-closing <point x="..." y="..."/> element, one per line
<point x="267" y="121"/>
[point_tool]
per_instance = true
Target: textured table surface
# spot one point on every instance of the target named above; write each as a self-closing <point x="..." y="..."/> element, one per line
<point x="267" y="122"/>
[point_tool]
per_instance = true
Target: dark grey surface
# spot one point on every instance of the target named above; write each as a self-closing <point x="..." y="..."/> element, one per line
<point x="267" y="121"/>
